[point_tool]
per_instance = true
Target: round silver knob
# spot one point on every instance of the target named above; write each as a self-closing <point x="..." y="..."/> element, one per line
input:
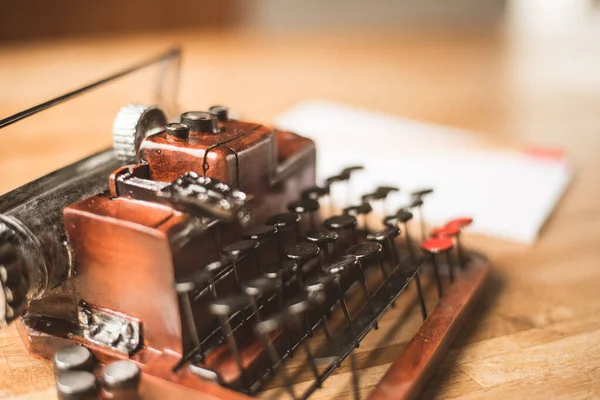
<point x="133" y="123"/>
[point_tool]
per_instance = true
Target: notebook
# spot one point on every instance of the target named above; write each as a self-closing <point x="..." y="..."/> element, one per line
<point x="509" y="193"/>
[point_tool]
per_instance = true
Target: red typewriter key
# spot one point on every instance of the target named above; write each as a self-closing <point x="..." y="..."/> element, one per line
<point x="461" y="222"/>
<point x="448" y="230"/>
<point x="435" y="246"/>
<point x="457" y="225"/>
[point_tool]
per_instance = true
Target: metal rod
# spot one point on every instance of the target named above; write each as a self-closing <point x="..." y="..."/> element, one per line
<point x="421" y="297"/>
<point x="436" y="272"/>
<point x="173" y="53"/>
<point x="226" y="327"/>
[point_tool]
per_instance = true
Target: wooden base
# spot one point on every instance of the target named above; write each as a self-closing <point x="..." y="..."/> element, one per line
<point x="409" y="373"/>
<point x="405" y="378"/>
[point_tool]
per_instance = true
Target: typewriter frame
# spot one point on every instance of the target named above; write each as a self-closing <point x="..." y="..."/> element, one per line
<point x="404" y="379"/>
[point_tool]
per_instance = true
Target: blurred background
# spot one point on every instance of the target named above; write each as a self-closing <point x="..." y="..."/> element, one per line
<point x="517" y="72"/>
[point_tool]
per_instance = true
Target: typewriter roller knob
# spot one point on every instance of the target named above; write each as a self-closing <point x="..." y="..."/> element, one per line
<point x="133" y="123"/>
<point x="221" y="112"/>
<point x="76" y="385"/>
<point x="179" y="131"/>
<point x="200" y="121"/>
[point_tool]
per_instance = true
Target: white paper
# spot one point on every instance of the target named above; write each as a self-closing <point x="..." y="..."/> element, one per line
<point x="509" y="194"/>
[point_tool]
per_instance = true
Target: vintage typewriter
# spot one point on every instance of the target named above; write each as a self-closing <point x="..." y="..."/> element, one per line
<point x="197" y="259"/>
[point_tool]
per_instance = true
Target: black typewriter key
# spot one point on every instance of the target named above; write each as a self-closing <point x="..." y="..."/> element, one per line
<point x="336" y="269"/>
<point x="319" y="285"/>
<point x="184" y="287"/>
<point x="333" y="182"/>
<point x="361" y="252"/>
<point x="121" y="379"/>
<point x="306" y="206"/>
<point x="257" y="288"/>
<point x="281" y="270"/>
<point x="283" y="222"/>
<point x="213" y="269"/>
<point x="342" y="223"/>
<point x="417" y="202"/>
<point x="264" y="330"/>
<point x="322" y="238"/>
<point x="300" y="253"/>
<point x="234" y="252"/>
<point x="404" y="216"/>
<point x="363" y="209"/>
<point x="433" y="247"/>
<point x="315" y="192"/>
<point x="301" y="305"/>
<point x="73" y="358"/>
<point x="77" y="385"/>
<point x="259" y="233"/>
<point x="224" y="308"/>
<point x="422" y="192"/>
<point x="262" y="234"/>
<point x="386" y="237"/>
<point x="349" y="171"/>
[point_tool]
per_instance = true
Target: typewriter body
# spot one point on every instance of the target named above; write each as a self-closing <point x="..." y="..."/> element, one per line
<point x="206" y="254"/>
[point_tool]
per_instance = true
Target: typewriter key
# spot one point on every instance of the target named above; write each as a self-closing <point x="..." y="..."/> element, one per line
<point x="434" y="246"/>
<point x="305" y="206"/>
<point x="301" y="305"/>
<point x="404" y="216"/>
<point x="319" y="285"/>
<point x="417" y="202"/>
<point x="184" y="286"/>
<point x="315" y="192"/>
<point x="364" y="209"/>
<point x="235" y="251"/>
<point x="342" y="223"/>
<point x="264" y="329"/>
<point x="300" y="253"/>
<point x="362" y="252"/>
<point x="461" y="223"/>
<point x="282" y="222"/>
<point x="224" y="308"/>
<point x="256" y="288"/>
<point x="336" y="269"/>
<point x="322" y="238"/>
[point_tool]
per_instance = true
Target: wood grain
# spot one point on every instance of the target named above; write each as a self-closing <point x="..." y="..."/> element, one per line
<point x="537" y="329"/>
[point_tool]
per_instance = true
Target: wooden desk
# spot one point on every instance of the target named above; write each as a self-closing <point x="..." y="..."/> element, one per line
<point x="537" y="331"/>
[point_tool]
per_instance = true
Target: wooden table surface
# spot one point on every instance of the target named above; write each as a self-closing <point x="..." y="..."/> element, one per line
<point x="536" y="333"/>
